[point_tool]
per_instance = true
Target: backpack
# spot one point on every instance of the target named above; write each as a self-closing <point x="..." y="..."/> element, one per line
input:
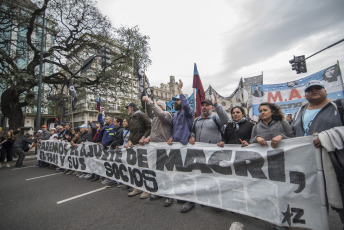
<point x="213" y="117"/>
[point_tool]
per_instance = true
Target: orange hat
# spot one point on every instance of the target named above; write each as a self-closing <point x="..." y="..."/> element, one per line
<point x="44" y="126"/>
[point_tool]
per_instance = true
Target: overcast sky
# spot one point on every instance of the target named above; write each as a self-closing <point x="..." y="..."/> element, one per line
<point x="232" y="39"/>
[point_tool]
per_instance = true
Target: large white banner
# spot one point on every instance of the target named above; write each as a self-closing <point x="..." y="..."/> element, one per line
<point x="284" y="186"/>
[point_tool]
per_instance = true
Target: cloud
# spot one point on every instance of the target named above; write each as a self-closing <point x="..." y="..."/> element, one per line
<point x="269" y="28"/>
<point x="233" y="39"/>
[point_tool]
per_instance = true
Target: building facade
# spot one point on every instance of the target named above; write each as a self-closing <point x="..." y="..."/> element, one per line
<point x="166" y="91"/>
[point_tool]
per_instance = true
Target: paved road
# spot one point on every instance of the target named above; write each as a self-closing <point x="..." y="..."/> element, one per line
<point x="33" y="204"/>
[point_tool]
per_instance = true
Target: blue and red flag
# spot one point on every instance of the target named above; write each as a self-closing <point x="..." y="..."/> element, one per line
<point x="200" y="94"/>
<point x="98" y="103"/>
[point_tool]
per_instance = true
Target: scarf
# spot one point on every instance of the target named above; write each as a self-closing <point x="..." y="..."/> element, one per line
<point x="236" y="124"/>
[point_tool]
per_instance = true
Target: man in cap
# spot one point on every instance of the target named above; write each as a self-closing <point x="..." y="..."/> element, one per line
<point x="83" y="135"/>
<point x="45" y="134"/>
<point x="182" y="119"/>
<point x="207" y="127"/>
<point x="313" y="117"/>
<point x="318" y="115"/>
<point x="181" y="130"/>
<point x="140" y="128"/>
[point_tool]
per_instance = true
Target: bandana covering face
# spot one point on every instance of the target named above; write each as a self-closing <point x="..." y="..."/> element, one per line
<point x="236" y="124"/>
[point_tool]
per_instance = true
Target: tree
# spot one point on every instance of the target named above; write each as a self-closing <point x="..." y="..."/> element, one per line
<point x="74" y="28"/>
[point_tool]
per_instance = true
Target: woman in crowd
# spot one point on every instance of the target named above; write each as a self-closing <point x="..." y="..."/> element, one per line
<point x="7" y="142"/>
<point x="53" y="134"/>
<point x="239" y="130"/>
<point x="126" y="132"/>
<point x="92" y="130"/>
<point x="270" y="126"/>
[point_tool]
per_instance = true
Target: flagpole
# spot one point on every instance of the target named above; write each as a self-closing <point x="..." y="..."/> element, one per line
<point x="144" y="90"/>
<point x="132" y="79"/>
<point x="194" y="100"/>
<point x="71" y="103"/>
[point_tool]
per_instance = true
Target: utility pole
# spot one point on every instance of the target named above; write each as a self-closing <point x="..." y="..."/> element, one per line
<point x="39" y="97"/>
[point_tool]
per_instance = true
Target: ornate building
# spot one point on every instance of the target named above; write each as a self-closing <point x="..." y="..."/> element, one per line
<point x="166" y="91"/>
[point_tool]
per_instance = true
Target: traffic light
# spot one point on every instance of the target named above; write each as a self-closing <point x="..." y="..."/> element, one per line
<point x="293" y="63"/>
<point x="298" y="64"/>
<point x="65" y="111"/>
<point x="105" y="57"/>
<point x="56" y="120"/>
<point x="302" y="64"/>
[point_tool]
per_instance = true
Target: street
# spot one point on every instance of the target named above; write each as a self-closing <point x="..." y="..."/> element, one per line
<point x="41" y="198"/>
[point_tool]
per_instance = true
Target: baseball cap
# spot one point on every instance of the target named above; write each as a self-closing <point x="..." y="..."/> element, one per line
<point x="132" y="104"/>
<point x="176" y="98"/>
<point x="44" y="126"/>
<point x="83" y="126"/>
<point x="313" y="83"/>
<point x="207" y="101"/>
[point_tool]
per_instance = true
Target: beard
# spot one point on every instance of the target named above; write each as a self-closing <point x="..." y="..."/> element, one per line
<point x="206" y="113"/>
<point x="177" y="106"/>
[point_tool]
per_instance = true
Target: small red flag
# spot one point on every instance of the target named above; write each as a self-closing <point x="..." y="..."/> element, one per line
<point x="200" y="94"/>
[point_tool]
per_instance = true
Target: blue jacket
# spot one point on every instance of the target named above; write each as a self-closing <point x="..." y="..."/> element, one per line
<point x="107" y="133"/>
<point x="182" y="122"/>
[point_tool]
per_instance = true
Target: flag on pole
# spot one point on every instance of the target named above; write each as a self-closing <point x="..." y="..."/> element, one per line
<point x="144" y="86"/>
<point x="200" y="94"/>
<point x="87" y="63"/>
<point x="72" y="93"/>
<point x="98" y="103"/>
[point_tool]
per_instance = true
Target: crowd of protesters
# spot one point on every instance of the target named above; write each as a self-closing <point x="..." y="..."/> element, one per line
<point x="182" y="127"/>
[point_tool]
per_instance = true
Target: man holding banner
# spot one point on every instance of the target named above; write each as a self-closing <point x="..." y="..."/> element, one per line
<point x="207" y="127"/>
<point x="181" y="130"/>
<point x="313" y="118"/>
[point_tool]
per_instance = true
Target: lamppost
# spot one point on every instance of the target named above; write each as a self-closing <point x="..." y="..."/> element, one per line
<point x="39" y="97"/>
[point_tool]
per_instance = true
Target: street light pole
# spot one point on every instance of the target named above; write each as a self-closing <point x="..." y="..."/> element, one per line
<point x="39" y="97"/>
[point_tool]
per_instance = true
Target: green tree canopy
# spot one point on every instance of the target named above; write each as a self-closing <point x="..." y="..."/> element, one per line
<point x="74" y="30"/>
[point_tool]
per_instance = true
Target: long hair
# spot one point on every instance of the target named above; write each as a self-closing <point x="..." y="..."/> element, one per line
<point x="128" y="121"/>
<point x="277" y="114"/>
<point x="11" y="136"/>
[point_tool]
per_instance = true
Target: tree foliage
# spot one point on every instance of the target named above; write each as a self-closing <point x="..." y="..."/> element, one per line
<point x="74" y="30"/>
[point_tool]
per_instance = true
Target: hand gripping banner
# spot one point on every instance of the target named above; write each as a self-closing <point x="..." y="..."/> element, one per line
<point x="284" y="186"/>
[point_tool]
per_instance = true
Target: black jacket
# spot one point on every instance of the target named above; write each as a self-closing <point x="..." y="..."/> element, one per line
<point x="244" y="133"/>
<point x="118" y="139"/>
<point x="83" y="137"/>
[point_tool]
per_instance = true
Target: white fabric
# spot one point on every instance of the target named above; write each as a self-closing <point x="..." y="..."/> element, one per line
<point x="330" y="140"/>
<point x="283" y="186"/>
